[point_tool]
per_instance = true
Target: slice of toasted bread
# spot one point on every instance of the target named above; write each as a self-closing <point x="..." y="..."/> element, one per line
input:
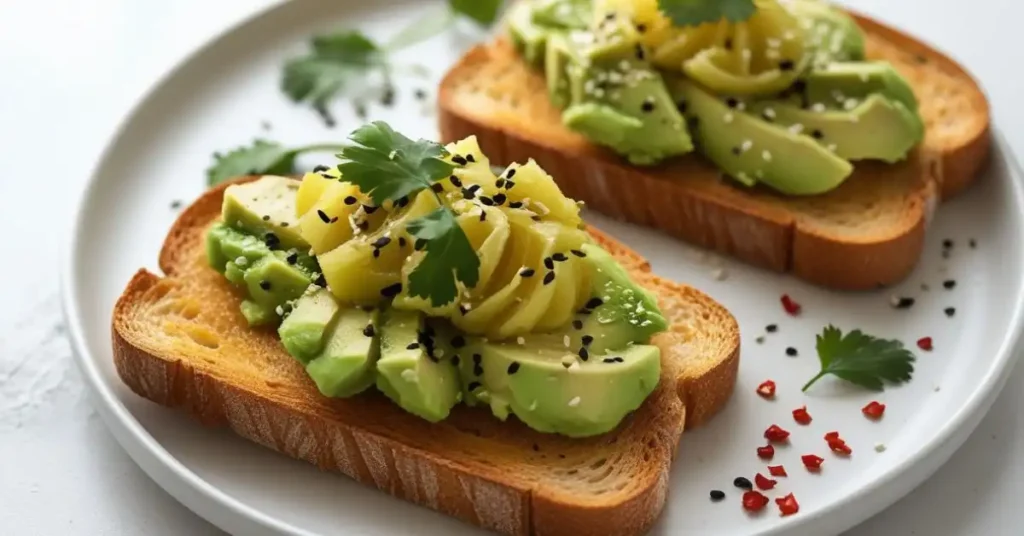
<point x="867" y="233"/>
<point x="180" y="341"/>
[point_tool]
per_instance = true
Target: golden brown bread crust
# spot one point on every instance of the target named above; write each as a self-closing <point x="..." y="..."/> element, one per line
<point x="177" y="341"/>
<point x="828" y="240"/>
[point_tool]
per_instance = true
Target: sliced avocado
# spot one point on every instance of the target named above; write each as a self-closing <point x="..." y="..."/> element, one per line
<point x="559" y="58"/>
<point x="272" y="281"/>
<point x="561" y="14"/>
<point x="347" y="365"/>
<point x="552" y="391"/>
<point x="410" y="371"/>
<point x="265" y="208"/>
<point x="258" y="315"/>
<point x="602" y="124"/>
<point x="528" y="37"/>
<point x="841" y="82"/>
<point x="832" y="34"/>
<point x="752" y="150"/>
<point x="877" y="128"/>
<point x="302" y="331"/>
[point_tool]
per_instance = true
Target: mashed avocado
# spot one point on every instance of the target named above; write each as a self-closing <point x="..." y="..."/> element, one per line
<point x="784" y="98"/>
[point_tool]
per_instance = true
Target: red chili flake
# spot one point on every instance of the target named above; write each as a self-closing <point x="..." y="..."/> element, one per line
<point x="812" y="462"/>
<point x="840" y="447"/>
<point x="925" y="343"/>
<point x="754" y="501"/>
<point x="775" y="434"/>
<point x="766" y="389"/>
<point x="764" y="482"/>
<point x="831" y="436"/>
<point x="792" y="308"/>
<point x="801" y="416"/>
<point x="787" y="505"/>
<point x="777" y="470"/>
<point x="766" y="452"/>
<point x="874" y="410"/>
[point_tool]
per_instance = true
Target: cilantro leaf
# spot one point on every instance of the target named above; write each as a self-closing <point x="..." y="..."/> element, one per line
<point x="449" y="256"/>
<point x="334" y="60"/>
<point x="386" y="165"/>
<point x="695" y="12"/>
<point x="862" y="359"/>
<point x="483" y="12"/>
<point x="261" y="158"/>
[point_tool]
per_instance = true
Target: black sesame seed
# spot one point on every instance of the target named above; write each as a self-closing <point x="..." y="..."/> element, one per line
<point x="559" y="257"/>
<point x="972" y="243"/>
<point x="500" y="199"/>
<point x="334" y="219"/>
<point x="376" y="253"/>
<point x="321" y="281"/>
<point x="265" y="218"/>
<point x="437" y="187"/>
<point x="732" y="102"/>
<point x="458" y="341"/>
<point x="584" y="311"/>
<point x="459" y="160"/>
<point x="736" y="151"/>
<point x="527" y="272"/>
<point x="483" y="215"/>
<point x="608" y="360"/>
<point x="391" y="291"/>
<point x="817" y="134"/>
<point x="402" y="201"/>
<point x="470" y="158"/>
<point x="549" y="277"/>
<point x="515" y="204"/>
<point x="583" y="353"/>
<point x="455" y="360"/>
<point x="401" y="241"/>
<point x="717" y="495"/>
<point x="369" y="209"/>
<point x="791" y="352"/>
<point x="578" y="253"/>
<point x="351" y="200"/>
<point x="413" y="346"/>
<point x="548" y="263"/>
<point x="648" y="105"/>
<point x="323" y="216"/>
<point x="387" y="97"/>
<point x="368" y="330"/>
<point x="587" y="339"/>
<point x="500" y="183"/>
<point x="265" y="285"/>
<point x="640" y="54"/>
<point x="477" y="358"/>
<point x="473" y="386"/>
<point x="594" y="303"/>
<point x="455" y="181"/>
<point x="681" y="106"/>
<point x="363" y="225"/>
<point x="903" y="302"/>
<point x="742" y="483"/>
<point x="641" y="28"/>
<point x="771" y="328"/>
<point x="728" y="44"/>
<point x="468" y="193"/>
<point x="293" y="258"/>
<point x="947" y="243"/>
<point x="509" y="184"/>
<point x="949" y="284"/>
<point x="950" y="311"/>
<point x="419" y="244"/>
<point x="320" y="169"/>
<point x="510" y="173"/>
<point x="577" y="324"/>
<point x="487" y="200"/>
<point x="420" y="94"/>
<point x="176" y="204"/>
<point x="513" y="367"/>
<point x="760" y="339"/>
<point x="284" y="224"/>
<point x="787" y="65"/>
<point x="271" y="240"/>
<point x="381" y="242"/>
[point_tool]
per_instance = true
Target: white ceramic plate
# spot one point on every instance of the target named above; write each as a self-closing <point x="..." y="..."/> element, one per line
<point x="219" y="97"/>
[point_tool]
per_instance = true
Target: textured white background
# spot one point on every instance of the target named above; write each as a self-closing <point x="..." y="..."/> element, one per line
<point x="69" y="70"/>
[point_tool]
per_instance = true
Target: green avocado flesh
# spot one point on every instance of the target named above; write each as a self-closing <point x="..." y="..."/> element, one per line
<point x="600" y="74"/>
<point x="577" y="371"/>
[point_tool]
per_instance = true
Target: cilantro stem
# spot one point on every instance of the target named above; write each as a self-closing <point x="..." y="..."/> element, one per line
<point x="814" y="379"/>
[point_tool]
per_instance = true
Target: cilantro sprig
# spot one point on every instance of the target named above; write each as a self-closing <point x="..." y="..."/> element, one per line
<point x="388" y="166"/>
<point x="696" y="12"/>
<point x="261" y="158"/>
<point x="336" y="60"/>
<point x="862" y="359"/>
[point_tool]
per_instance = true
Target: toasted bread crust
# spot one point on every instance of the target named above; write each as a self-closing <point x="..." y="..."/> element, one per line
<point x="493" y="94"/>
<point x="374" y="442"/>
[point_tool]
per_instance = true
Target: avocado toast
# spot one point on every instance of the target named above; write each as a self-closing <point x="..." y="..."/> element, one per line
<point x="374" y="391"/>
<point x="865" y="230"/>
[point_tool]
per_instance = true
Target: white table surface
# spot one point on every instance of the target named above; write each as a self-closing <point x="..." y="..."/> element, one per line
<point x="69" y="70"/>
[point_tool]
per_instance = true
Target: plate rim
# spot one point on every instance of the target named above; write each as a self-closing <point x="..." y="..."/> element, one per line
<point x="223" y="510"/>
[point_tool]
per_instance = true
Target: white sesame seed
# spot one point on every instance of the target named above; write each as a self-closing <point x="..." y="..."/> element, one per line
<point x="864" y="77"/>
<point x="574" y="366"/>
<point x="728" y="117"/>
<point x="879" y="447"/>
<point x="769" y="113"/>
<point x="767" y="155"/>
<point x="438" y="353"/>
<point x="745" y="53"/>
<point x="241" y="261"/>
<point x="520" y="340"/>
<point x="566" y="341"/>
<point x="832" y="147"/>
<point x="279" y="310"/>
<point x="410" y="376"/>
<point x="789" y="35"/>
<point x="574" y="402"/>
<point x="741" y="106"/>
<point x="796" y="128"/>
<point x="719" y="274"/>
<point x="838" y="95"/>
<point x="533" y="405"/>
<point x="818" y="107"/>
<point x="850" y="104"/>
<point x="773" y="42"/>
<point x="746" y="145"/>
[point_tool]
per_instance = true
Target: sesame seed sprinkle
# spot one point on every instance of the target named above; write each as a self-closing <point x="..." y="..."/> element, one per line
<point x="574" y="402"/>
